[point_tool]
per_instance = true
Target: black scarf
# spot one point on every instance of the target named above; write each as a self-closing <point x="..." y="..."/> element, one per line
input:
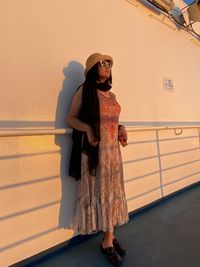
<point x="90" y="114"/>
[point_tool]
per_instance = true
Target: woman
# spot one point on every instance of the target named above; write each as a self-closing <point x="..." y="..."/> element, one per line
<point x="96" y="161"/>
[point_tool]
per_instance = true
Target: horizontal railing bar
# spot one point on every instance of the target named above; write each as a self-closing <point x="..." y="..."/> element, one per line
<point x="140" y="159"/>
<point x="60" y="131"/>
<point x="149" y="128"/>
<point x="27" y="132"/>
<point x="141" y="176"/>
<point x="180" y="165"/>
<point x="181" y="178"/>
<point x="178" y="152"/>
<point x="161" y="155"/>
<point x="163" y="139"/>
<point x="178" y="138"/>
<point x="52" y="131"/>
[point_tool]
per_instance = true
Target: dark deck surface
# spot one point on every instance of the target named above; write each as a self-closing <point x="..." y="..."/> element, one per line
<point x="168" y="235"/>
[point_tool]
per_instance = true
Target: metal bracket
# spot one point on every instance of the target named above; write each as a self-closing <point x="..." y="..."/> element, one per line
<point x="178" y="133"/>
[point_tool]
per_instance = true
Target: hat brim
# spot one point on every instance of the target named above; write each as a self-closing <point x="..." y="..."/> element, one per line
<point x="100" y="57"/>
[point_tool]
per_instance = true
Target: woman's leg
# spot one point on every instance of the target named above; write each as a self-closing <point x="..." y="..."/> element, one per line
<point x="107" y="248"/>
<point x="107" y="239"/>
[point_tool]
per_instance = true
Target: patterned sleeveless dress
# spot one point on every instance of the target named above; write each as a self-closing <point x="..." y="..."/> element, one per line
<point x="101" y="200"/>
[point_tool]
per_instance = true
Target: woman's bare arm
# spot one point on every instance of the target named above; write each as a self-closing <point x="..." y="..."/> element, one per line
<point x="74" y="122"/>
<point x="72" y="117"/>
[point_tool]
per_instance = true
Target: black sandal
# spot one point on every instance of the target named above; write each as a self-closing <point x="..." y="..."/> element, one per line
<point x="113" y="256"/>
<point x="121" y="251"/>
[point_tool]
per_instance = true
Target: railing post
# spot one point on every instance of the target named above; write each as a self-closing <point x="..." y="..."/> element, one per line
<point x="159" y="163"/>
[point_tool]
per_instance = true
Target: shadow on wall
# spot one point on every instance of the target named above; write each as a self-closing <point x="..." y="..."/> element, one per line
<point x="74" y="77"/>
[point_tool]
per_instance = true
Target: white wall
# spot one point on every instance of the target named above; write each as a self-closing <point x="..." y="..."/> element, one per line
<point x="44" y="45"/>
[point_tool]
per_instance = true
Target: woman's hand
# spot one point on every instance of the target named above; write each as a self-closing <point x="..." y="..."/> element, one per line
<point x="91" y="137"/>
<point x="122" y="135"/>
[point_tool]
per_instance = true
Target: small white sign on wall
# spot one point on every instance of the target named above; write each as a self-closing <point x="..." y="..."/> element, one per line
<point x="168" y="84"/>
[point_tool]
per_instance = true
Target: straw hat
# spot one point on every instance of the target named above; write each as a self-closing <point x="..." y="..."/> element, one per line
<point x="94" y="58"/>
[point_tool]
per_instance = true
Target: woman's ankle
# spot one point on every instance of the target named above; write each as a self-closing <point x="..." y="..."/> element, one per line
<point x="107" y="243"/>
<point x="113" y="237"/>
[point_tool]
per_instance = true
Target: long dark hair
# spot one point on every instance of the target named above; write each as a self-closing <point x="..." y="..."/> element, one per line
<point x="90" y="114"/>
<point x="89" y="96"/>
<point x="90" y="103"/>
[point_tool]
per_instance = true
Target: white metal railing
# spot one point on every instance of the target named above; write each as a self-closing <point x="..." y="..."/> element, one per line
<point x="60" y="131"/>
